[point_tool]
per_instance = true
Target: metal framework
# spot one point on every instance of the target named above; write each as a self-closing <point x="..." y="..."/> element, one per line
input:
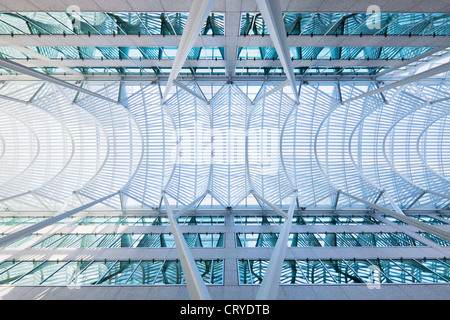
<point x="296" y="111"/>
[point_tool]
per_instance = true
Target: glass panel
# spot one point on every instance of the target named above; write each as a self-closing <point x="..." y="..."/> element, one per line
<point x="119" y="273"/>
<point x="211" y="271"/>
<point x="438" y="266"/>
<point x="433" y="238"/>
<point x="303" y="240"/>
<point x="66" y="274"/>
<point x="106" y="241"/>
<point x="427" y="219"/>
<point x="40" y="273"/>
<point x="170" y="273"/>
<point x="145" y="273"/>
<point x="244" y="272"/>
<point x="368" y="272"/>
<point x="291" y="273"/>
<point x="393" y="271"/>
<point x="341" y="272"/>
<point x="84" y="241"/>
<point x="17" y="271"/>
<point x="93" y="273"/>
<point x="146" y="240"/>
<point x="315" y="272"/>
<point x="22" y="241"/>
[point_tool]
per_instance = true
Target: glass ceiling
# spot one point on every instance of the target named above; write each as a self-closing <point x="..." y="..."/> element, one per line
<point x="88" y="60"/>
<point x="104" y="23"/>
<point x="223" y="149"/>
<point x="219" y="140"/>
<point x="351" y="24"/>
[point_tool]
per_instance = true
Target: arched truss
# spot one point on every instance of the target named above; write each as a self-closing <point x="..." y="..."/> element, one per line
<point x="57" y="147"/>
<point x="230" y="109"/>
<point x="265" y="126"/>
<point x="160" y="145"/>
<point x="227" y="146"/>
<point x="298" y="146"/>
<point x="191" y="118"/>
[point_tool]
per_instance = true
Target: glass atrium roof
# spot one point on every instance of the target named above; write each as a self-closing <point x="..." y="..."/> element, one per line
<point x="364" y="114"/>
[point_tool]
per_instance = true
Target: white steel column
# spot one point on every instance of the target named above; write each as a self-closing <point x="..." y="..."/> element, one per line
<point x="194" y="281"/>
<point x="273" y="17"/>
<point x="269" y="286"/>
<point x="197" y="16"/>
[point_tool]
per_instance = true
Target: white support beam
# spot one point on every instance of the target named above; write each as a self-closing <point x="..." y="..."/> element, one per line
<point x="14" y="66"/>
<point x="402" y="217"/>
<point x="273" y="17"/>
<point x="195" y="284"/>
<point x="445" y="196"/>
<point x="336" y="200"/>
<point x="269" y="286"/>
<point x="52" y="62"/>
<point x="187" y="89"/>
<point x="14" y="196"/>
<point x="197" y="16"/>
<point x="417" y="199"/>
<point x="379" y="196"/>
<point x="275" y="208"/>
<point x="47" y="222"/>
<point x="191" y="205"/>
<point x="272" y="91"/>
<point x="39" y="200"/>
<point x="426" y="74"/>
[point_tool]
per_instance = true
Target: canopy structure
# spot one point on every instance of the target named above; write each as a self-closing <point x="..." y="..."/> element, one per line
<point x="225" y="124"/>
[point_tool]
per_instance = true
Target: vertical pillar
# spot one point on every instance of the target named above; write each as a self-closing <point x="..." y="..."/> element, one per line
<point x="269" y="286"/>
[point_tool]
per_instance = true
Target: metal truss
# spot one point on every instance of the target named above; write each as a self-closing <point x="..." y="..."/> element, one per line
<point x="226" y="148"/>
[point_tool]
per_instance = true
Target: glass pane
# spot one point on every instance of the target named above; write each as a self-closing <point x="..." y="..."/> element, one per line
<point x="119" y="273"/>
<point x="17" y="271"/>
<point x="40" y="273"/>
<point x="66" y="274"/>
<point x="368" y="272"/>
<point x="291" y="273"/>
<point x="93" y="273"/>
<point x="145" y="273"/>
<point x="341" y="272"/>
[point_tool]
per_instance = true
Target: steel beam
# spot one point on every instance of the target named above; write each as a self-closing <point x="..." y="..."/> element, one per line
<point x="233" y="40"/>
<point x="249" y="5"/>
<point x="187" y="89"/>
<point x="402" y="217"/>
<point x="336" y="200"/>
<point x="197" y="16"/>
<point x="189" y="206"/>
<point x="269" y="286"/>
<point x="416" y="199"/>
<point x="194" y="281"/>
<point x="272" y="91"/>
<point x="205" y="63"/>
<point x="14" y="66"/>
<point x="426" y="74"/>
<point x="273" y="17"/>
<point x="275" y="208"/>
<point x="38" y="226"/>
